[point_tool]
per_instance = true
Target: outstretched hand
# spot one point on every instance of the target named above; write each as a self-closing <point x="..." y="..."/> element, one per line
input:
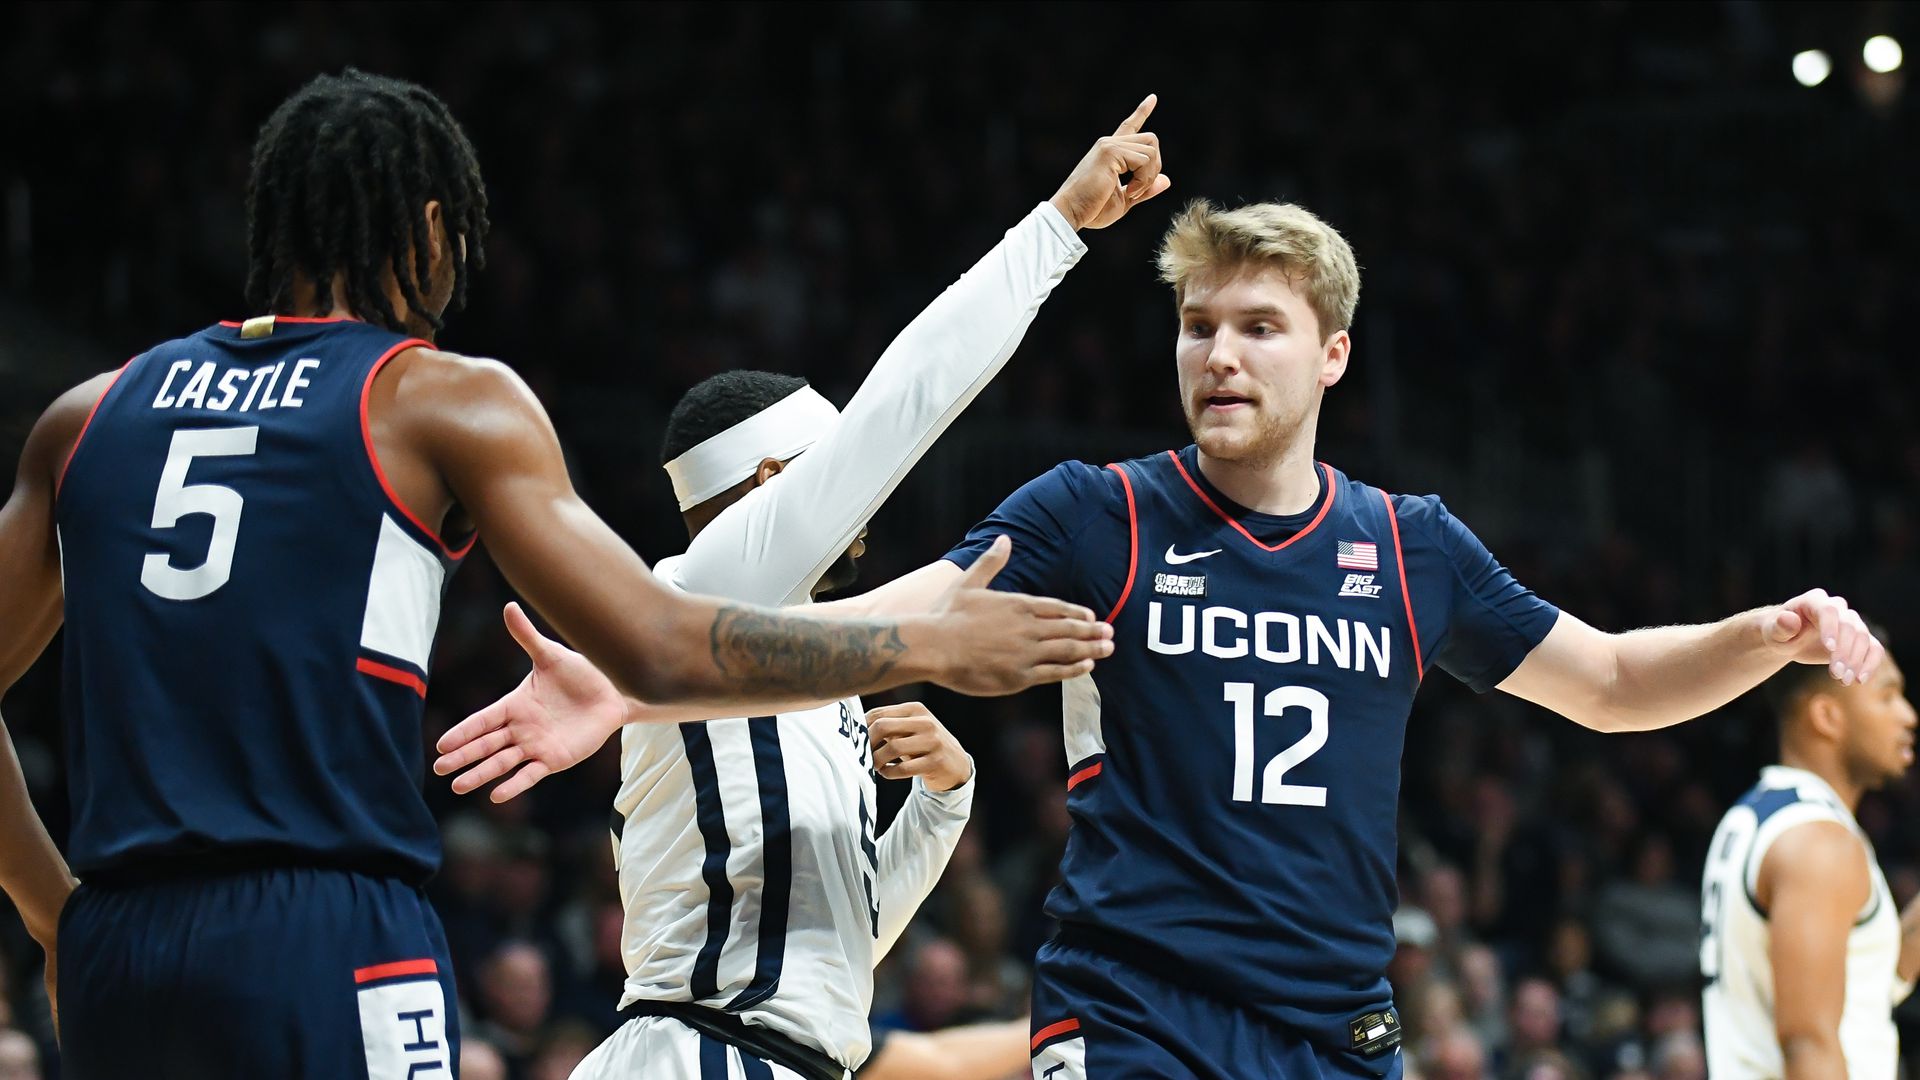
<point x="1816" y="628"/>
<point x="562" y="712"/>
<point x="1002" y="642"/>
<point x="1094" y="196"/>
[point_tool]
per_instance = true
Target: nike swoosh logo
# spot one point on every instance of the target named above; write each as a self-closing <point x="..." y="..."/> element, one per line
<point x="1174" y="558"/>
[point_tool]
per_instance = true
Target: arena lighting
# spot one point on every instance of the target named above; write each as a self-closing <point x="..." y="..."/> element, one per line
<point x="1881" y="53"/>
<point x="1811" y="68"/>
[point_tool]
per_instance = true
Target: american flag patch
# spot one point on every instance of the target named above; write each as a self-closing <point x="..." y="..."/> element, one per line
<point x="1356" y="555"/>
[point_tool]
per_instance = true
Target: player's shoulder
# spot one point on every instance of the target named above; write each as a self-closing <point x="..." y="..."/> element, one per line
<point x="429" y="368"/>
<point x="1420" y="513"/>
<point x="1783" y="790"/>
<point x="1418" y="520"/>
<point x="1818" y="850"/>
<point x="58" y="430"/>
<point x="70" y="409"/>
<point x="1080" y="484"/>
<point x="465" y="413"/>
<point x="432" y="384"/>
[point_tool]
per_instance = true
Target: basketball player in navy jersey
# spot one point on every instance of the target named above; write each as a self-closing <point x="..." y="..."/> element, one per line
<point x="246" y="533"/>
<point x="1233" y="771"/>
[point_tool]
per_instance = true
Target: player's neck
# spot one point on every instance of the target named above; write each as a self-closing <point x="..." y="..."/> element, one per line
<point x="306" y="302"/>
<point x="1830" y="771"/>
<point x="1282" y="486"/>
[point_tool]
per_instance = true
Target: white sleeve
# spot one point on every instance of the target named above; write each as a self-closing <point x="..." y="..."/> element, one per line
<point x="913" y="854"/>
<point x="773" y="545"/>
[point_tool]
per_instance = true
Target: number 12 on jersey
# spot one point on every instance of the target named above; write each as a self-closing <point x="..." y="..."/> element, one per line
<point x="1273" y="786"/>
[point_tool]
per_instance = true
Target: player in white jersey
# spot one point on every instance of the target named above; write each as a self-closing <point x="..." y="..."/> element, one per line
<point x="757" y="898"/>
<point x="1803" y="953"/>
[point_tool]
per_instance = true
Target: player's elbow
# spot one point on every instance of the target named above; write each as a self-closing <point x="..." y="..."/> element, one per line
<point x="664" y="672"/>
<point x="1613" y="720"/>
<point x="1609" y="700"/>
<point x="670" y="661"/>
<point x="653" y="680"/>
<point x="1593" y="703"/>
<point x="1812" y="1050"/>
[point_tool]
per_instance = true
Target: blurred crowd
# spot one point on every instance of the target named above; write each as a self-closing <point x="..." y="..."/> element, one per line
<point x="1631" y="303"/>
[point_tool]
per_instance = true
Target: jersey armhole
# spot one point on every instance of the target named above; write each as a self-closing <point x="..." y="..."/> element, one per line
<point x="67" y="462"/>
<point x="373" y="457"/>
<point x="1133" y="541"/>
<point x="1803" y="812"/>
<point x="1400" y="563"/>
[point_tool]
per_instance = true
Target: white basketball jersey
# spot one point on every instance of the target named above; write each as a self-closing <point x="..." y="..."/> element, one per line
<point x="750" y="874"/>
<point x="1737" y="1003"/>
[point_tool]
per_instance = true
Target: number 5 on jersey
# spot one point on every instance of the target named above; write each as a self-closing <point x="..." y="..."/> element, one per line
<point x="1273" y="786"/>
<point x="177" y="499"/>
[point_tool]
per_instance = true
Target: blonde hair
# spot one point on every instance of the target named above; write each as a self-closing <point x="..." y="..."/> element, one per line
<point x="1205" y="240"/>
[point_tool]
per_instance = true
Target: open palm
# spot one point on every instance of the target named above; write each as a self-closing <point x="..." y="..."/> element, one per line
<point x="562" y="712"/>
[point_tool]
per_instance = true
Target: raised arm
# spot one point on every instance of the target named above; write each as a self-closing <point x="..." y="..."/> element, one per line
<point x="1653" y="678"/>
<point x="773" y="545"/>
<point x="1812" y="884"/>
<point x="32" y="871"/>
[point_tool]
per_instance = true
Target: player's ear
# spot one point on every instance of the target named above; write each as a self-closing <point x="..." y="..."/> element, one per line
<point x="1824" y="715"/>
<point x="436" y="232"/>
<point x="769" y="468"/>
<point x="1334" y="361"/>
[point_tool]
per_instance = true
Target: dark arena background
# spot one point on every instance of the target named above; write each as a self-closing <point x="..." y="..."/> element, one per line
<point x="1633" y="299"/>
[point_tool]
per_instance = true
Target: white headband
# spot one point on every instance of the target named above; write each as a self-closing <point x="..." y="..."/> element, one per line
<point x="778" y="431"/>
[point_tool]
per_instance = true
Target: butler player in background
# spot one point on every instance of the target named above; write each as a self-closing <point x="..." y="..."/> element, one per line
<point x="1803" y="953"/>
<point x="246" y="532"/>
<point x="1234" y="769"/>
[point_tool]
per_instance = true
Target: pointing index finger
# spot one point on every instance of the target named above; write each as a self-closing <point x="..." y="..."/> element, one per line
<point x="1133" y="123"/>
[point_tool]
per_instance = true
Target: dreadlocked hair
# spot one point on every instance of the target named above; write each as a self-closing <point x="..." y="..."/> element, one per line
<point x="341" y="172"/>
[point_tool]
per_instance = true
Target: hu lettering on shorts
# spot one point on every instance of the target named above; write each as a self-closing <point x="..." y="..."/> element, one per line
<point x="403" y="1021"/>
<point x="1180" y="584"/>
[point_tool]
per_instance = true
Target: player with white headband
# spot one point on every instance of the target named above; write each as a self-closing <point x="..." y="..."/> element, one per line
<point x="757" y="898"/>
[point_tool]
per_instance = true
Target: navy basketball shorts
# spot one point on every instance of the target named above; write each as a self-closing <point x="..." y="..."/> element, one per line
<point x="295" y="974"/>
<point x="1096" y="1018"/>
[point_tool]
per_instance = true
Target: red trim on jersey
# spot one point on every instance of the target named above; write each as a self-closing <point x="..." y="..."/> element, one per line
<point x="1051" y="1030"/>
<point x="1400" y="559"/>
<point x="366" y="436"/>
<point x="87" y="423"/>
<point x="391" y="674"/>
<point x="1242" y="529"/>
<point x="1087" y="773"/>
<point x="294" y="319"/>
<point x="398" y="967"/>
<point x="1133" y="536"/>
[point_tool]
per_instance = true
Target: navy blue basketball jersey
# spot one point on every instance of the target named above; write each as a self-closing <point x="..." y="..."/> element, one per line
<point x="250" y="611"/>
<point x="1234" y="768"/>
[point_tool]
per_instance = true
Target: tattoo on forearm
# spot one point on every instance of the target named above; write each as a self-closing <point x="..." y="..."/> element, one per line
<point x="807" y="656"/>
